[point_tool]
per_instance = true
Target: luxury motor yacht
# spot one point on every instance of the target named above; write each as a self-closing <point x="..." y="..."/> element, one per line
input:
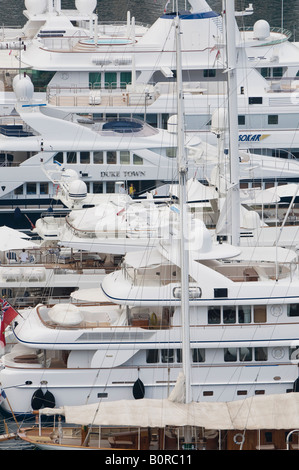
<point x="41" y="144"/>
<point x="243" y="333"/>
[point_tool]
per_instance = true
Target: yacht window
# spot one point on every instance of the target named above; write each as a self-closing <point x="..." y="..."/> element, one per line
<point x="110" y="187"/>
<point x="273" y="119"/>
<point x="260" y="354"/>
<point x="214" y="315"/>
<point x="124" y="156"/>
<point x="137" y="160"/>
<point x="71" y="157"/>
<point x="125" y="78"/>
<point x="31" y="188"/>
<point x="164" y="122"/>
<point x="277" y="71"/>
<point x="179" y="355"/>
<point x="293" y="310"/>
<point x="229" y="314"/>
<point x="245" y="354"/>
<point x="44" y="188"/>
<point x="19" y="190"/>
<point x="255" y="100"/>
<point x="171" y="152"/>
<point x="259" y="314"/>
<point x="6" y="293"/>
<point x="198" y="355"/>
<point x="209" y="73"/>
<point x="84" y="157"/>
<point x="266" y="72"/>
<point x="152" y="356"/>
<point x="230" y="354"/>
<point x="111" y="157"/>
<point x="167" y="355"/>
<point x="152" y="119"/>
<point x="110" y="80"/>
<point x="97" y="187"/>
<point x="244" y="314"/>
<point x="242" y="392"/>
<point x="241" y="120"/>
<point x="58" y="157"/>
<point x="98" y="158"/>
<point x="40" y="78"/>
<point x="95" y="79"/>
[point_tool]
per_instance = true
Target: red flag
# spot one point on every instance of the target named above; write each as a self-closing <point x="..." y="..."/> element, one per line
<point x="7" y="314"/>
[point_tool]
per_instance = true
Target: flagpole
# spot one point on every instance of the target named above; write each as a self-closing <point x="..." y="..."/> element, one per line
<point x="8" y="402"/>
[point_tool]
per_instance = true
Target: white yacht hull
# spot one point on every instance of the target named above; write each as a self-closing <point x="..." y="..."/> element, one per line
<point x="90" y="386"/>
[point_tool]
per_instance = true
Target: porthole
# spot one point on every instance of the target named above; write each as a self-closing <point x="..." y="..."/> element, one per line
<point x="276" y="310"/>
<point x="278" y="353"/>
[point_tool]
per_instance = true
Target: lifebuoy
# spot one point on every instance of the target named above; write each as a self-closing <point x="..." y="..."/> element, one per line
<point x="239" y="439"/>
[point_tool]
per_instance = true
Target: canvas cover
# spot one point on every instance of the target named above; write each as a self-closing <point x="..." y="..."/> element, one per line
<point x="279" y="411"/>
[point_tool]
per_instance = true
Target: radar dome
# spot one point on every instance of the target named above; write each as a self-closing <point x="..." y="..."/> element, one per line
<point x="172" y="124"/>
<point x="23" y="87"/>
<point x="86" y="7"/>
<point x="261" y="29"/>
<point x="36" y="7"/>
<point x="77" y="189"/>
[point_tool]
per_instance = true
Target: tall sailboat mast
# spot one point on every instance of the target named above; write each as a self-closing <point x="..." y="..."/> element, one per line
<point x="184" y="238"/>
<point x="230" y="29"/>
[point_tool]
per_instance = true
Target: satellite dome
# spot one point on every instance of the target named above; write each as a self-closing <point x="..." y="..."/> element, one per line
<point x="261" y="29"/>
<point x="23" y="87"/>
<point x="77" y="189"/>
<point x="172" y="124"/>
<point x="36" y="7"/>
<point x="86" y="7"/>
